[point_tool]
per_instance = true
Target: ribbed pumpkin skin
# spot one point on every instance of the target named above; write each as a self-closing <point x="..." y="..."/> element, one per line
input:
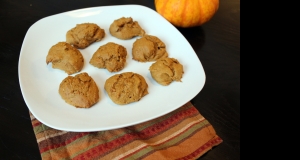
<point x="187" y="13"/>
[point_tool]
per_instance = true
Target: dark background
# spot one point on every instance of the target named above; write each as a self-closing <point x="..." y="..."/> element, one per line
<point x="217" y="44"/>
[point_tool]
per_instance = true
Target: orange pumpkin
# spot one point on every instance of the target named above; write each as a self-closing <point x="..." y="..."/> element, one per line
<point x="187" y="13"/>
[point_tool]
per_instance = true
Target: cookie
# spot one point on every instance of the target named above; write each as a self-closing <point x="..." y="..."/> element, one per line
<point x="167" y="70"/>
<point x="125" y="28"/>
<point x="148" y="48"/>
<point x="80" y="91"/>
<point x="126" y="87"/>
<point x="111" y="56"/>
<point x="83" y="35"/>
<point x="65" y="57"/>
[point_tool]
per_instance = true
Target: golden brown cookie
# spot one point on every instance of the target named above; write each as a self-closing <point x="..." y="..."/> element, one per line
<point x="166" y="70"/>
<point x="148" y="48"/>
<point x="111" y="56"/>
<point x="126" y="87"/>
<point x="125" y="28"/>
<point x="83" y="35"/>
<point x="80" y="91"/>
<point x="65" y="57"/>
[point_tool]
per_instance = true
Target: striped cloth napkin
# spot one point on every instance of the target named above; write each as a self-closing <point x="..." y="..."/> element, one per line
<point x="181" y="134"/>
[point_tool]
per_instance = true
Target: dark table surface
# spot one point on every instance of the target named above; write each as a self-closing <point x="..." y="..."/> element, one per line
<point x="217" y="44"/>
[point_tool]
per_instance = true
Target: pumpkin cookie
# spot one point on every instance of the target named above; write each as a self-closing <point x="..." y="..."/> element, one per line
<point x="148" y="48"/>
<point x="111" y="56"/>
<point x="65" y="57"/>
<point x="82" y="35"/>
<point x="80" y="91"/>
<point x="167" y="70"/>
<point x="126" y="87"/>
<point x="125" y="28"/>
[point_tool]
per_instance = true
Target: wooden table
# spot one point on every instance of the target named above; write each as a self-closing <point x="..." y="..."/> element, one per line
<point x="217" y="44"/>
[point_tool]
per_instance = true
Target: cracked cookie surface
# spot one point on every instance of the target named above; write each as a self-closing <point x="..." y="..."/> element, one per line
<point x="148" y="48"/>
<point x="126" y="87"/>
<point x="167" y="70"/>
<point x="65" y="57"/>
<point x="111" y="56"/>
<point x="83" y="35"/>
<point x="80" y="91"/>
<point x="125" y="28"/>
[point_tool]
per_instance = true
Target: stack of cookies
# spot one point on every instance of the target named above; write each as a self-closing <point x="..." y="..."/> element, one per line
<point x="81" y="91"/>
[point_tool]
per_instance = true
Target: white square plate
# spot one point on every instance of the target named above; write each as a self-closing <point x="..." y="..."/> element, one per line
<point x="39" y="82"/>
